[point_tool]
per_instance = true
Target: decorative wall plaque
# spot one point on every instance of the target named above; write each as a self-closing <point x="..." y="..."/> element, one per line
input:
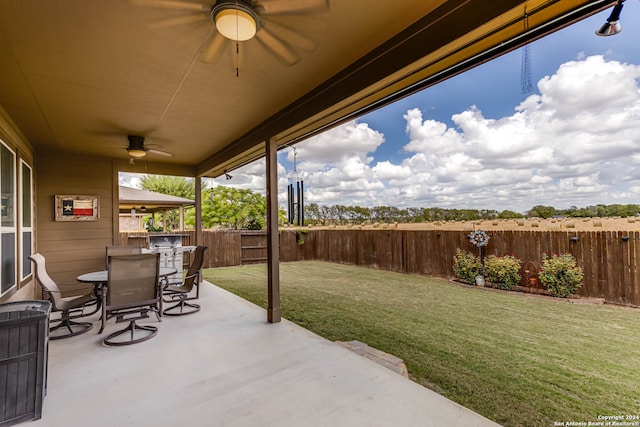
<point x="77" y="208"/>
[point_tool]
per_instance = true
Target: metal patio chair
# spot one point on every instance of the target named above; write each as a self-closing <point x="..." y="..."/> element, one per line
<point x="133" y="289"/>
<point x="180" y="294"/>
<point x="120" y="250"/>
<point x="78" y="304"/>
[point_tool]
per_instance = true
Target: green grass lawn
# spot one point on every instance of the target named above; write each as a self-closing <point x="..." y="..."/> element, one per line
<point x="518" y="360"/>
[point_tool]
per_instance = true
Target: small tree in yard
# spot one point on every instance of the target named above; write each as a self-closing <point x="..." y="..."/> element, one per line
<point x="560" y="274"/>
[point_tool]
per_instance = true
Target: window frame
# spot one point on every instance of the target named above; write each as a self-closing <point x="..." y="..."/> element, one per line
<point x="23" y="259"/>
<point x="13" y="228"/>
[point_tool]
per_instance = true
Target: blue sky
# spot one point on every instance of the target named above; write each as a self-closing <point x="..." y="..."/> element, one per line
<point x="476" y="141"/>
<point x="495" y="87"/>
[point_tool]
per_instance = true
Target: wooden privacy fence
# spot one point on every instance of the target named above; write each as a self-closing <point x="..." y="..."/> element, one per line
<point x="609" y="259"/>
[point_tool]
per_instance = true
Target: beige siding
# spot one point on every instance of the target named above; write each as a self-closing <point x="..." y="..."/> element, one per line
<point x="73" y="248"/>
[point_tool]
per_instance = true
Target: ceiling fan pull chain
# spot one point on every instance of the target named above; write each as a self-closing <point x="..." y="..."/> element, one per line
<point x="237" y="43"/>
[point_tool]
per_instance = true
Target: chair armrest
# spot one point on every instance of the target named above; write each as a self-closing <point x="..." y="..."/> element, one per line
<point x="75" y="289"/>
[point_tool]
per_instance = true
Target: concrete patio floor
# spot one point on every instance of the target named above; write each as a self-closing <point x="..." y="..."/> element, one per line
<point x="226" y="366"/>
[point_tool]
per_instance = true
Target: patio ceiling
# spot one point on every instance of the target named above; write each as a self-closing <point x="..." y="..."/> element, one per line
<point x="79" y="75"/>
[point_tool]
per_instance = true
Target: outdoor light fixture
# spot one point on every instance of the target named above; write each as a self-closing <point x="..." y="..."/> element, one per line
<point x="226" y="175"/>
<point x="235" y="19"/>
<point x="136" y="152"/>
<point x="574" y="238"/>
<point x="612" y="26"/>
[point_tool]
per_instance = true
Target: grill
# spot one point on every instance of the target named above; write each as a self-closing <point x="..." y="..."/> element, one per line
<point x="171" y="251"/>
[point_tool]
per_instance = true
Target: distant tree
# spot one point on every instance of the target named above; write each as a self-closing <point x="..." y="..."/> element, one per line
<point x="312" y="213"/>
<point x="326" y="214"/>
<point x="488" y="213"/>
<point x="234" y="208"/>
<point x="360" y="214"/>
<point x="542" y="211"/>
<point x="173" y="186"/>
<point x="507" y="214"/>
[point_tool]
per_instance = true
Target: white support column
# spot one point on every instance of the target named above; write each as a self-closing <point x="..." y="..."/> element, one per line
<point x="274" y="314"/>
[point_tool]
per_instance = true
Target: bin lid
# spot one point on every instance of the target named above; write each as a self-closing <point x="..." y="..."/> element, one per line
<point x="24" y="309"/>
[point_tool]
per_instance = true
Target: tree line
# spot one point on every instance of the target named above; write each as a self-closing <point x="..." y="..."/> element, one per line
<point x="340" y="214"/>
<point x="229" y="207"/>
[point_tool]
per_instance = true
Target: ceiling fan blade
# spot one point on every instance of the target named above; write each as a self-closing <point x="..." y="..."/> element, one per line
<point x="172" y="4"/>
<point x="160" y="152"/>
<point x="176" y="21"/>
<point x="277" y="47"/>
<point x="211" y="49"/>
<point x="274" y="7"/>
<point x="292" y="37"/>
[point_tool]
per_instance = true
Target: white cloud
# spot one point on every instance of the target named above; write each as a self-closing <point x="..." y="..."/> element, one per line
<point x="337" y="146"/>
<point x="576" y="142"/>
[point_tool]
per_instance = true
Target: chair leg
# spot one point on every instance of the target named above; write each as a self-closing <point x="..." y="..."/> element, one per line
<point x="133" y="326"/>
<point x="69" y="325"/>
<point x="181" y="305"/>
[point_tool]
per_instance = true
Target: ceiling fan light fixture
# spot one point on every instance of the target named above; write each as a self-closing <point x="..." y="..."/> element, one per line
<point x="136" y="146"/>
<point x="137" y="152"/>
<point x="235" y="20"/>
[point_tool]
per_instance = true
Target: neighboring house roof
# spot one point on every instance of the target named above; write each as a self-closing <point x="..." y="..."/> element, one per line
<point x="136" y="198"/>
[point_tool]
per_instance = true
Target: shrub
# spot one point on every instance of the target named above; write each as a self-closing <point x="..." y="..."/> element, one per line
<point x="560" y="275"/>
<point x="466" y="266"/>
<point x="504" y="272"/>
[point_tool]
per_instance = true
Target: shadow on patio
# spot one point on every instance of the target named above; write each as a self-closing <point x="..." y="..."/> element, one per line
<point x="226" y="366"/>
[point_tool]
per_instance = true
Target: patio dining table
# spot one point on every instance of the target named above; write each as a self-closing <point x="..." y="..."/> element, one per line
<point x="101" y="277"/>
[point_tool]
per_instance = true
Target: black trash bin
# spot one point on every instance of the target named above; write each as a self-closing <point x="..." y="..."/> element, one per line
<point x="24" y="340"/>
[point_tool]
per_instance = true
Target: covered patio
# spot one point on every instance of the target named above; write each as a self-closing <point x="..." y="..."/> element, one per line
<point x="80" y="78"/>
<point x="91" y="89"/>
<point x="226" y="366"/>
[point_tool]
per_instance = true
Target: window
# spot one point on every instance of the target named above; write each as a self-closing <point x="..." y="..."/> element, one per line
<point x="26" y="230"/>
<point x="8" y="219"/>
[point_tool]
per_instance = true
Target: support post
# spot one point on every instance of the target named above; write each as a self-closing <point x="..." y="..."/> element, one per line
<point x="198" y="188"/>
<point x="273" y="235"/>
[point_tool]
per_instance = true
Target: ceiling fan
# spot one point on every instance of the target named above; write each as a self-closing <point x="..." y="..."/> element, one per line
<point x="242" y="21"/>
<point x="137" y="148"/>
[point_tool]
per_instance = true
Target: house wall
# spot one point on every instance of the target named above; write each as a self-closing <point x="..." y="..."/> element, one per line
<point x="73" y="247"/>
<point x="70" y="248"/>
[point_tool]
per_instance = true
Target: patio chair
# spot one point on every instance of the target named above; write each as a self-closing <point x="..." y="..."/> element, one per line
<point x="120" y="250"/>
<point x="77" y="304"/>
<point x="180" y="294"/>
<point x="132" y="291"/>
